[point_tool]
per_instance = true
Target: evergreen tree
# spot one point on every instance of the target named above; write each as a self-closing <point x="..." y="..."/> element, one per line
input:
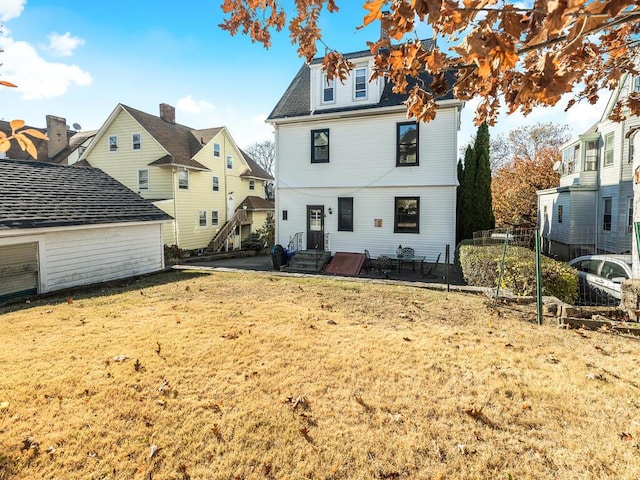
<point x="474" y="196"/>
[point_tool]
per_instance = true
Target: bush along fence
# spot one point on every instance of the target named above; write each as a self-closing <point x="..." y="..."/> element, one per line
<point x="497" y="259"/>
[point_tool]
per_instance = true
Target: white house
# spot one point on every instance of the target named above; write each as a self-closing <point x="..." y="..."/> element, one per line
<point x="591" y="211"/>
<point x="353" y="173"/>
<point x="65" y="226"/>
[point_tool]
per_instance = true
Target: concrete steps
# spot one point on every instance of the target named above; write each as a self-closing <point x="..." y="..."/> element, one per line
<point x="308" y="261"/>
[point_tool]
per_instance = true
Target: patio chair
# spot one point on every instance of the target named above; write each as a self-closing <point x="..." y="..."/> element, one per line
<point x="369" y="263"/>
<point x="385" y="265"/>
<point x="405" y="252"/>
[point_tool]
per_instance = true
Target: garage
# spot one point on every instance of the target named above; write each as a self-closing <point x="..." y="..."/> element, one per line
<point x="18" y="270"/>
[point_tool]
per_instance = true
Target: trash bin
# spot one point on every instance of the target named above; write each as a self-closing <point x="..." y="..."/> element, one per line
<point x="278" y="257"/>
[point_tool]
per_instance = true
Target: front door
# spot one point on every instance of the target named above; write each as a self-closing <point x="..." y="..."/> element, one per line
<point x="315" y="227"/>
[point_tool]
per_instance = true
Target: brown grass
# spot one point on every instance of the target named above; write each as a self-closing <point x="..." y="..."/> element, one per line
<point x="240" y="376"/>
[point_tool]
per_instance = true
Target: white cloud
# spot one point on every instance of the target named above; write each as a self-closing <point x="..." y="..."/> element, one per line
<point x="188" y="104"/>
<point x="63" y="45"/>
<point x="11" y="9"/>
<point x="37" y="78"/>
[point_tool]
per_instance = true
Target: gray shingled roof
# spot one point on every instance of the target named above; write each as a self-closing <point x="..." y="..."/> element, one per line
<point x="257" y="203"/>
<point x="255" y="170"/>
<point x="179" y="140"/>
<point x="37" y="194"/>
<point x="295" y="101"/>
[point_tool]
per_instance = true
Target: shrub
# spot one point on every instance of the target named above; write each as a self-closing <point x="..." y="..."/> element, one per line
<point x="481" y="267"/>
<point x="253" y="242"/>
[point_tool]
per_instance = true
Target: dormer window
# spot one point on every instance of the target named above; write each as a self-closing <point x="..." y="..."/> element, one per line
<point x="360" y="83"/>
<point x="328" y="90"/>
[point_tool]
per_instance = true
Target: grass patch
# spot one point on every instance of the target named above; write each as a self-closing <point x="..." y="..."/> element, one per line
<point x="241" y="376"/>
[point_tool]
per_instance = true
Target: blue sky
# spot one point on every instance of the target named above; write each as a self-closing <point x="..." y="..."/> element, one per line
<point x="78" y="60"/>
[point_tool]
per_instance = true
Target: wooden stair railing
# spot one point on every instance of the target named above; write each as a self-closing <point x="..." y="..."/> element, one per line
<point x="227" y="230"/>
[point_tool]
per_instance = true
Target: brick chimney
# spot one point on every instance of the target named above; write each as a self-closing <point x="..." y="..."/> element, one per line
<point x="384" y="31"/>
<point x="57" y="133"/>
<point x="167" y="113"/>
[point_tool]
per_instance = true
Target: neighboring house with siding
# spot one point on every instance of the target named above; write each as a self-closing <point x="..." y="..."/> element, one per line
<point x="200" y="177"/>
<point x="63" y="226"/>
<point x="591" y="211"/>
<point x="354" y="173"/>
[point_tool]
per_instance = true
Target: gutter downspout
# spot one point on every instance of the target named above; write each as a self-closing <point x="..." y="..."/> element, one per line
<point x="174" y="171"/>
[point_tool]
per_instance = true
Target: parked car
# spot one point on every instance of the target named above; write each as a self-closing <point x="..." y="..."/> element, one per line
<point x="601" y="277"/>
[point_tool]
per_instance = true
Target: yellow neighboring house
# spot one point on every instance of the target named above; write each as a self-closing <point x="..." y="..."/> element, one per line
<point x="215" y="192"/>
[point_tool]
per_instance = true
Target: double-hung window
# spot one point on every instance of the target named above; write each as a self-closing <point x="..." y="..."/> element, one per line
<point x="202" y="218"/>
<point x="636" y="84"/>
<point x="328" y="90"/>
<point x="320" y="146"/>
<point x="608" y="149"/>
<point x="345" y="214"/>
<point x="252" y="184"/>
<point x="407" y="215"/>
<point x="143" y="180"/>
<point x="113" y="143"/>
<point x="607" y="208"/>
<point x="560" y="212"/>
<point x="183" y="179"/>
<point x="629" y="214"/>
<point x="136" y="141"/>
<point x="216" y="184"/>
<point x="360" y="83"/>
<point x="229" y="162"/>
<point x="214" y="218"/>
<point x="407" y="144"/>
<point x="216" y="149"/>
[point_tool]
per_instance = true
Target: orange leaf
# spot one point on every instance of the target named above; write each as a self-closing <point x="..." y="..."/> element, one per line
<point x="4" y="145"/>
<point x="35" y="133"/>
<point x="7" y="84"/>
<point x="16" y="124"/>
<point x="375" y="11"/>
<point x="31" y="149"/>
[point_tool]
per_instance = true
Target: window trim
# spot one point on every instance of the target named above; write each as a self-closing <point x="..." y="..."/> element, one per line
<point x="313" y="145"/>
<point x="341" y="217"/>
<point x="134" y="143"/>
<point x="365" y="89"/>
<point x="185" y="185"/>
<point x="415" y="229"/>
<point x="140" y="187"/>
<point x="398" y="144"/>
<point x="216" y="217"/>
<point x="215" y="183"/>
<point x="609" y="141"/>
<point x="202" y="220"/>
<point x="605" y="215"/>
<point x="326" y="86"/>
<point x="111" y="145"/>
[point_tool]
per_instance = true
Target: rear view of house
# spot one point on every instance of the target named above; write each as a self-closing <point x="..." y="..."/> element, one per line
<point x="353" y="173"/>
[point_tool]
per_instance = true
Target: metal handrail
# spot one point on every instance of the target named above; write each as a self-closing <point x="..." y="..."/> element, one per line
<point x="295" y="243"/>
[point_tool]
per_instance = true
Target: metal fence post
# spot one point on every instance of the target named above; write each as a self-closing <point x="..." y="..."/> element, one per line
<point x="446" y="266"/>
<point x="538" y="280"/>
<point x="504" y="255"/>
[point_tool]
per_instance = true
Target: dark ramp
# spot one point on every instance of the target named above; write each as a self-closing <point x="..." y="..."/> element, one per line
<point x="346" y="264"/>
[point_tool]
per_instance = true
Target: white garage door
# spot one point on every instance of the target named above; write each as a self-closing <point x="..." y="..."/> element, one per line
<point x="18" y="270"/>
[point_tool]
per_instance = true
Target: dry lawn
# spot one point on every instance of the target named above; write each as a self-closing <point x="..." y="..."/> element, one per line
<point x="241" y="376"/>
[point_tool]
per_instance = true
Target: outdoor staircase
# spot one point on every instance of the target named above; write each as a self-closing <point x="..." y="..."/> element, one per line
<point x="308" y="261"/>
<point x="227" y="230"/>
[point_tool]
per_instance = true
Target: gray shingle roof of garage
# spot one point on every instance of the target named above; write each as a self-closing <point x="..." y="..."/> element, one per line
<point x="295" y="101"/>
<point x="37" y="194"/>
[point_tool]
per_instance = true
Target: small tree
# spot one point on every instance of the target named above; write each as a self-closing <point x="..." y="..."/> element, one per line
<point x="264" y="154"/>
